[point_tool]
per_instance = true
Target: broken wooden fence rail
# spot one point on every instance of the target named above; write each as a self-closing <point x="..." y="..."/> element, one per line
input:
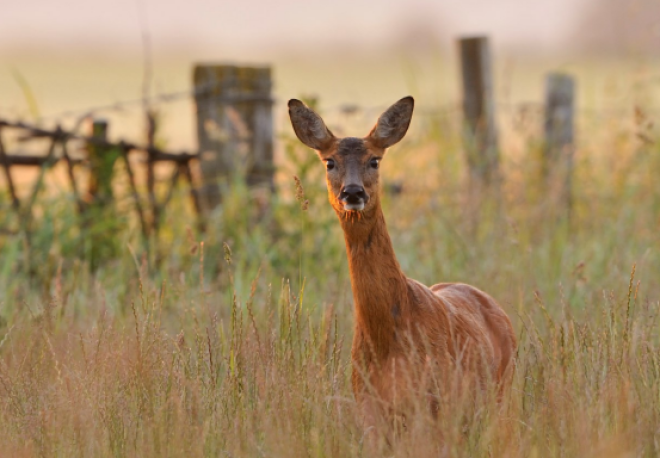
<point x="60" y="138"/>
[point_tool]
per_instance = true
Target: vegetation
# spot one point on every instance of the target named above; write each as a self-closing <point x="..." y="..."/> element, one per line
<point x="237" y="343"/>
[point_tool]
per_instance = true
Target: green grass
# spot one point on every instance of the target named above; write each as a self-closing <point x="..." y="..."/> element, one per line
<point x="239" y="346"/>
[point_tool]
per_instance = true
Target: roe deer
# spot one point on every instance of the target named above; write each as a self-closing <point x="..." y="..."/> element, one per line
<point x="402" y="328"/>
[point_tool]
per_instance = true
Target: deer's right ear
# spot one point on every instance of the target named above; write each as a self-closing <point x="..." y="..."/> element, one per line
<point x="309" y="126"/>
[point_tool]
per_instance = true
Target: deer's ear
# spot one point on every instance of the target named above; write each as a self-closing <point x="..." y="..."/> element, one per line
<point x="309" y="126"/>
<point x="393" y="124"/>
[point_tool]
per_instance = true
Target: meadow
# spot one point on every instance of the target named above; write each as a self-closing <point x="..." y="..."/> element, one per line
<point x="237" y="342"/>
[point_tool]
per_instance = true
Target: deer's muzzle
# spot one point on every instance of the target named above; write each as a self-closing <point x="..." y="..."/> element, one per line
<point x="353" y="197"/>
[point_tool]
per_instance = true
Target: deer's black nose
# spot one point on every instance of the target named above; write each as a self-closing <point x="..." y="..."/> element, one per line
<point x="353" y="194"/>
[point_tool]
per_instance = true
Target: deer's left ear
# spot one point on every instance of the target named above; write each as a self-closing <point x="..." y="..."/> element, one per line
<point x="393" y="124"/>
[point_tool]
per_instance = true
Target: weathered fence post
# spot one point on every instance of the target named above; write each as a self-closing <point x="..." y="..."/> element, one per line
<point x="100" y="218"/>
<point x="102" y="161"/>
<point x="234" y="126"/>
<point x="480" y="132"/>
<point x="559" y="137"/>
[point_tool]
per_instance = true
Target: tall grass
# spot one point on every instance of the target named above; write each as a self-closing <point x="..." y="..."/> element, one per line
<point x="238" y="343"/>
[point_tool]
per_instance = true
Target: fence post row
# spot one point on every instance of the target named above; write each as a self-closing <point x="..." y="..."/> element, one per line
<point x="235" y="133"/>
<point x="559" y="134"/>
<point x="480" y="131"/>
<point x="234" y="126"/>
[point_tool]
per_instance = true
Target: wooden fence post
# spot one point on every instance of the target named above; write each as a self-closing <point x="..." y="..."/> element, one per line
<point x="559" y="136"/>
<point x="102" y="160"/>
<point x="234" y="126"/>
<point x="100" y="218"/>
<point x="480" y="132"/>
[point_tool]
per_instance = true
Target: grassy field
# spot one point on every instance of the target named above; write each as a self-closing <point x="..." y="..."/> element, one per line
<point x="238" y="342"/>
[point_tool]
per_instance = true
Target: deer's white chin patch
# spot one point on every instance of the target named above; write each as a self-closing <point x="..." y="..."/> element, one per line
<point x="354" y="207"/>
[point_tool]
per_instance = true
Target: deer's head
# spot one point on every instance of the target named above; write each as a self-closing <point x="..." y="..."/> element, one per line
<point x="352" y="163"/>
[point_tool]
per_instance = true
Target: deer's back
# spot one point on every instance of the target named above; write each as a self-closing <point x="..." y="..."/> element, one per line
<point x="480" y="328"/>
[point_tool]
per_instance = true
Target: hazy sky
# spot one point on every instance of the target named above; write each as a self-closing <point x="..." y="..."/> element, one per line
<point x="259" y="26"/>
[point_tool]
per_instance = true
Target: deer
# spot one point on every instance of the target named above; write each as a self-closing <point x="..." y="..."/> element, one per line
<point x="403" y="329"/>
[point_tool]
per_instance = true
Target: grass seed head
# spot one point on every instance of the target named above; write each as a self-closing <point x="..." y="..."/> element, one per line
<point x="300" y="194"/>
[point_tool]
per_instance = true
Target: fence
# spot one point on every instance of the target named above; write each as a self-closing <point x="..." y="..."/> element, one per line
<point x="234" y="124"/>
<point x="97" y="148"/>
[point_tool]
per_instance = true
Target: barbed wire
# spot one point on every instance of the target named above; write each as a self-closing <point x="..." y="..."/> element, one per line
<point x="119" y="105"/>
<point x="346" y="109"/>
<point x="206" y="92"/>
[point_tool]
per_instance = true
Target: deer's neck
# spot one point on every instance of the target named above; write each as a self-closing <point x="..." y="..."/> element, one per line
<point x="379" y="286"/>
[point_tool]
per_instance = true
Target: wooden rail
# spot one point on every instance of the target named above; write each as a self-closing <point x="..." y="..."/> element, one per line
<point x="59" y="139"/>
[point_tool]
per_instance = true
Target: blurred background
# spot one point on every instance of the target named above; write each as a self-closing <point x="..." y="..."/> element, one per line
<point x="76" y="54"/>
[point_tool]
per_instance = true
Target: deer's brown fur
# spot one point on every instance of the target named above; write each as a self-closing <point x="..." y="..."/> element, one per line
<point x="403" y="329"/>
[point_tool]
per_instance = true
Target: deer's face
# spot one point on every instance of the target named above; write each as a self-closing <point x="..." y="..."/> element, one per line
<point x="352" y="164"/>
<point x="352" y="173"/>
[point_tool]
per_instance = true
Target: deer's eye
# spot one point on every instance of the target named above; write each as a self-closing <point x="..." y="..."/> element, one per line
<point x="374" y="163"/>
<point x="329" y="164"/>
